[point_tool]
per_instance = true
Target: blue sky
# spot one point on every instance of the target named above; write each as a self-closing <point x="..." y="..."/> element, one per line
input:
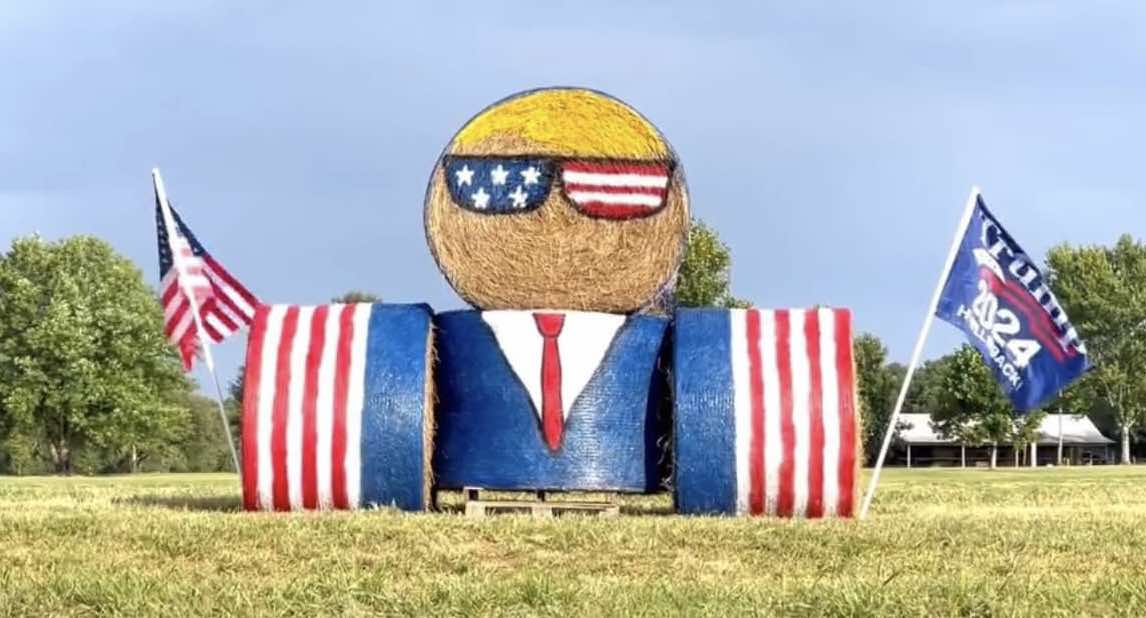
<point x="831" y="147"/>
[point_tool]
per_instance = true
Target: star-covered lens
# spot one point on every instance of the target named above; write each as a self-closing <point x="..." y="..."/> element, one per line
<point x="498" y="185"/>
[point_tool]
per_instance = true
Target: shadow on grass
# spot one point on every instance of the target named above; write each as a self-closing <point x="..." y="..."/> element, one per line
<point x="213" y="504"/>
<point x="658" y="504"/>
<point x="448" y="502"/>
<point x="647" y="509"/>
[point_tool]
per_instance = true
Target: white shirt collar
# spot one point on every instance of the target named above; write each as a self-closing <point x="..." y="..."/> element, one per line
<point x="584" y="340"/>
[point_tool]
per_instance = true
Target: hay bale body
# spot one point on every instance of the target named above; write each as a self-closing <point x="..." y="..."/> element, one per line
<point x="490" y="430"/>
<point x="765" y="417"/>
<point x="337" y="412"/>
<point x="539" y="239"/>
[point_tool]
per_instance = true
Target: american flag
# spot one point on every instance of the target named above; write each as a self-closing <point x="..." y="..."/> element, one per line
<point x="185" y="267"/>
<point x="615" y="190"/>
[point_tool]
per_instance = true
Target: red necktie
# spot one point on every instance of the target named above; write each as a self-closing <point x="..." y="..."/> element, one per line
<point x="552" y="416"/>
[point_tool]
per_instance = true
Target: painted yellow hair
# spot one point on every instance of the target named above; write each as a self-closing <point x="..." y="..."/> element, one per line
<point x="564" y="122"/>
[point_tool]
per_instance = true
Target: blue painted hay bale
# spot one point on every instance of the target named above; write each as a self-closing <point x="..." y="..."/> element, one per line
<point x="492" y="422"/>
<point x="337" y="412"/>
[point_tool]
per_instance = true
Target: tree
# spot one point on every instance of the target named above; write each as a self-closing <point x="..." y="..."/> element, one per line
<point x="357" y="296"/>
<point x="924" y="386"/>
<point x="236" y="390"/>
<point x="1103" y="290"/>
<point x="83" y="358"/>
<point x="704" y="279"/>
<point x="878" y="385"/>
<point x="19" y="453"/>
<point x="203" y="448"/>
<point x="969" y="404"/>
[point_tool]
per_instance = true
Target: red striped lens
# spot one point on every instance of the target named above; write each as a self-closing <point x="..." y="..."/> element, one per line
<point x="616" y="189"/>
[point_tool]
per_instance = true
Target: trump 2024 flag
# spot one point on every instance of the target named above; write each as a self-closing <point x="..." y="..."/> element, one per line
<point x="997" y="296"/>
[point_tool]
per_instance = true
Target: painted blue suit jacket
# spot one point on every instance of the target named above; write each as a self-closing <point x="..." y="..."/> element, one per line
<point x="489" y="434"/>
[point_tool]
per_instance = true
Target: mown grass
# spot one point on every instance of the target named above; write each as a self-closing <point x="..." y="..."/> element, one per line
<point x="941" y="542"/>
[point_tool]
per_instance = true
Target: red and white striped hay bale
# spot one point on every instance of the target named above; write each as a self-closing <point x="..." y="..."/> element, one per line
<point x="337" y="409"/>
<point x="766" y="416"/>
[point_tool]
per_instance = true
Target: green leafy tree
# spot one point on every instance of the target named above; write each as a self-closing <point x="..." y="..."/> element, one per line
<point x="878" y="384"/>
<point x="19" y="453"/>
<point x="923" y="388"/>
<point x="969" y="405"/>
<point x="1103" y="290"/>
<point x="705" y="272"/>
<point x="236" y="389"/>
<point x="357" y="296"/>
<point x="83" y="359"/>
<point x="203" y="448"/>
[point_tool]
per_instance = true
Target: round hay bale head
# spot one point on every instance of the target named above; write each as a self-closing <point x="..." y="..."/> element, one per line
<point x="500" y="427"/>
<point x="765" y="419"/>
<point x="558" y="198"/>
<point x="338" y="407"/>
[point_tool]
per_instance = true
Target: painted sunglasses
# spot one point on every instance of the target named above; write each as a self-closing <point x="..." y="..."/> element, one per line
<point x="598" y="188"/>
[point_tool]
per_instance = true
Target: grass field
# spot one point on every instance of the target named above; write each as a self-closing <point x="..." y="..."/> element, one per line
<point x="941" y="542"/>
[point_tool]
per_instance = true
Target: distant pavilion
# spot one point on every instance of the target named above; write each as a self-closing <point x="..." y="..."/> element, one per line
<point x="1082" y="443"/>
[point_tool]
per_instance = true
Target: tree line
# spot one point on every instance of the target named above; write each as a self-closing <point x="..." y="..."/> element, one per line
<point x="89" y="384"/>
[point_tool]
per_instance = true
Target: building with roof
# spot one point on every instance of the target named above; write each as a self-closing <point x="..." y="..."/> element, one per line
<point x="918" y="443"/>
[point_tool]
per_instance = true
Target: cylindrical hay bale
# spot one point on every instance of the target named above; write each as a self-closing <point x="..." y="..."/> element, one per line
<point x="549" y="400"/>
<point x="559" y="198"/>
<point x="765" y="419"/>
<point x="337" y="408"/>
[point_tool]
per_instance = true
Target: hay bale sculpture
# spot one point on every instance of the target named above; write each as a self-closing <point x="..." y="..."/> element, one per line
<point x="561" y="215"/>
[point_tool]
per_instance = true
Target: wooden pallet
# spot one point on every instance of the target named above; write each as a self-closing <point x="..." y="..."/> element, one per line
<point x="540" y="507"/>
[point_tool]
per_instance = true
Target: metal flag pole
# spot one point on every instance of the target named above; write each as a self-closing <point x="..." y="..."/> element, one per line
<point x="964" y="221"/>
<point x="204" y="343"/>
<point x="1058" y="459"/>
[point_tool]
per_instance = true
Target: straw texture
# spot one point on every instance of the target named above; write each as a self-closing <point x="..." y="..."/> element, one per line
<point x="556" y="257"/>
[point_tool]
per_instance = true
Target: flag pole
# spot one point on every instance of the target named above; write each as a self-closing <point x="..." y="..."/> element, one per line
<point x="204" y="343"/>
<point x="1058" y="458"/>
<point x="964" y="221"/>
